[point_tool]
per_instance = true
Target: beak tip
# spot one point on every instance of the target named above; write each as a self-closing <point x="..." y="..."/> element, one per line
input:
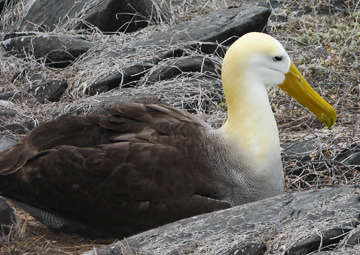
<point x="329" y="119"/>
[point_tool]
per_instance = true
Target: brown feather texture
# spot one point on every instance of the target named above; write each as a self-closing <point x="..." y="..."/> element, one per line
<point x="138" y="167"/>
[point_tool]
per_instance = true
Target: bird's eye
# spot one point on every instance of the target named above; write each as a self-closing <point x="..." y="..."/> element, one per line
<point x="277" y="58"/>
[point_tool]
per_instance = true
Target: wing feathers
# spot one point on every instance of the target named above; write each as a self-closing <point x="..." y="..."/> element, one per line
<point x="135" y="168"/>
<point x="14" y="158"/>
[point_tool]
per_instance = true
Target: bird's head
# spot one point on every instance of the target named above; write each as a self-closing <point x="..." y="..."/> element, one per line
<point x="257" y="59"/>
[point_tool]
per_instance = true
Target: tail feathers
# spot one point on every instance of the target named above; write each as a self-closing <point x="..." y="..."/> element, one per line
<point x="57" y="223"/>
<point x="50" y="220"/>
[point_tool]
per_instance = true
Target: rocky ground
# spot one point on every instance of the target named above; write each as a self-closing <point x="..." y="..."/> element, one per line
<point x="99" y="65"/>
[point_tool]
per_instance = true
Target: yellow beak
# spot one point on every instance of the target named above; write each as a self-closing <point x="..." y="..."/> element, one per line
<point x="297" y="87"/>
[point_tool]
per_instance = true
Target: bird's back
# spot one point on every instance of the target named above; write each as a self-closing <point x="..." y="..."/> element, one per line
<point x="138" y="167"/>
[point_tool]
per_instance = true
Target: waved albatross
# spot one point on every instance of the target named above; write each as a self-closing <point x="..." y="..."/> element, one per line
<point x="144" y="165"/>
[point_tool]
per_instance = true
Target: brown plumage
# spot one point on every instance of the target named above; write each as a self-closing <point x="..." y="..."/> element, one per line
<point x="116" y="174"/>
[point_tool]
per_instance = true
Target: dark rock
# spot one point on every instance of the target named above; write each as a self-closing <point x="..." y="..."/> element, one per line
<point x="108" y="16"/>
<point x="248" y="249"/>
<point x="58" y="50"/>
<point x="125" y="15"/>
<point x="279" y="18"/>
<point x="8" y="218"/>
<point x="6" y="95"/>
<point x="299" y="149"/>
<point x="321" y="240"/>
<point x="47" y="14"/>
<point x="350" y="156"/>
<point x="175" y="53"/>
<point x="209" y="48"/>
<point x="11" y="123"/>
<point x="50" y="90"/>
<point x="237" y="249"/>
<point x="173" y="67"/>
<point x="288" y="220"/>
<point x="15" y="128"/>
<point x="131" y="73"/>
<point x="5" y="112"/>
<point x="2" y="4"/>
<point x="26" y="75"/>
<point x="6" y="142"/>
<point x="37" y="86"/>
<point x="223" y="26"/>
<point x="353" y="238"/>
<point x="18" y="34"/>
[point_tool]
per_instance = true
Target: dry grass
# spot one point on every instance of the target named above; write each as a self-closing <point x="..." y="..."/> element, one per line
<point x="326" y="48"/>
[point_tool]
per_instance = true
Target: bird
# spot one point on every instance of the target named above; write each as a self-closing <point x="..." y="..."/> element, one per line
<point x="140" y="166"/>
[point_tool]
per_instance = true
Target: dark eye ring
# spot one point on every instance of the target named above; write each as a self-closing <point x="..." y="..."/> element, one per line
<point x="277" y="58"/>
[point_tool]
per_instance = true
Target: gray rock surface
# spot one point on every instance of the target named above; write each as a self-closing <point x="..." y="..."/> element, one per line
<point x="6" y="142"/>
<point x="223" y="26"/>
<point x="108" y="15"/>
<point x="6" y="95"/>
<point x="300" y="150"/>
<point x="350" y="156"/>
<point x="51" y="90"/>
<point x="159" y="68"/>
<point x="57" y="50"/>
<point x="47" y="14"/>
<point x="11" y="124"/>
<point x="171" y="68"/>
<point x="6" y="112"/>
<point x="125" y="15"/>
<point x="2" y="4"/>
<point x="17" y="129"/>
<point x="298" y="223"/>
<point x="8" y="219"/>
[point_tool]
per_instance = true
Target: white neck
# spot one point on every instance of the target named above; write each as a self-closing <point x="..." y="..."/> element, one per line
<point x="251" y="123"/>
